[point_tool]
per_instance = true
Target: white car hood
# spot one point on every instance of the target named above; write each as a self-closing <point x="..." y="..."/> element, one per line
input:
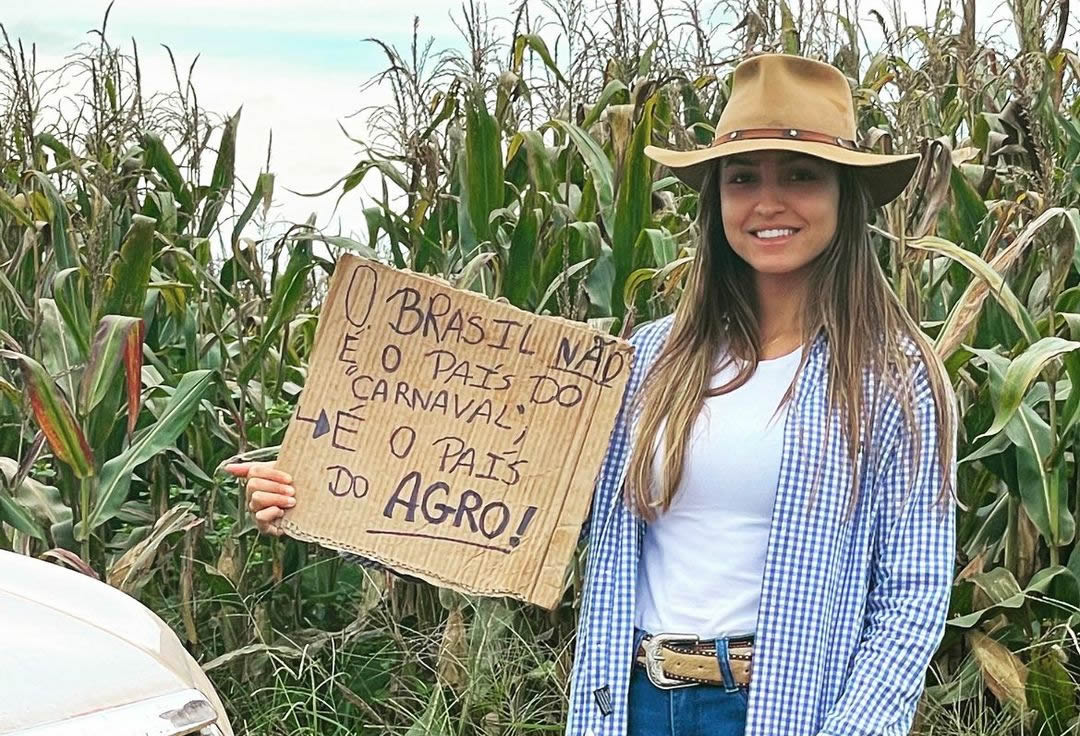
<point x="72" y="645"/>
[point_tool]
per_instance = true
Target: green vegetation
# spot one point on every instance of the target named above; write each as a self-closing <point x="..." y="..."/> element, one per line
<point x="147" y="335"/>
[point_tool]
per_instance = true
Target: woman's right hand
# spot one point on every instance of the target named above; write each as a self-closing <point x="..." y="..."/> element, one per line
<point x="269" y="492"/>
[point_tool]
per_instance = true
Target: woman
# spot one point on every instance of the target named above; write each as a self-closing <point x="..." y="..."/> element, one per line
<point x="753" y="568"/>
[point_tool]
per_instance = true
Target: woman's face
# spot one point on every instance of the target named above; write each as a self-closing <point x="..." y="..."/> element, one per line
<point x="779" y="208"/>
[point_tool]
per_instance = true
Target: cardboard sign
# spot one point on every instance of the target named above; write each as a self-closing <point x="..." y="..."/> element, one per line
<point x="448" y="436"/>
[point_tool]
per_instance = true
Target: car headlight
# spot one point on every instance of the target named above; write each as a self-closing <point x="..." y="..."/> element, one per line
<point x="184" y="713"/>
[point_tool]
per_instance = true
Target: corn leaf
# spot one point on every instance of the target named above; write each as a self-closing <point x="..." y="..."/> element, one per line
<point x="693" y="114"/>
<point x="290" y="288"/>
<point x="657" y="243"/>
<point x="108" y="352"/>
<point x="557" y="282"/>
<point x="1072" y="216"/>
<point x="61" y="153"/>
<point x="1002" y="670"/>
<point x="519" y="269"/>
<point x="633" y="206"/>
<point x="449" y="107"/>
<point x="482" y="182"/>
<point x="536" y="43"/>
<point x="598" y="282"/>
<point x="968" y="307"/>
<point x="59" y="353"/>
<point x="16" y="300"/>
<point x="614" y="93"/>
<point x="59" y="223"/>
<point x="133" y="360"/>
<point x="962" y="222"/>
<point x="115" y="479"/>
<point x="135" y="567"/>
<point x="536" y="156"/>
<point x="160" y="160"/>
<point x="225" y="166"/>
<point x="789" y="33"/>
<point x="355" y="177"/>
<point x="8" y="389"/>
<point x="264" y="189"/>
<point x="1070" y="413"/>
<point x="54" y="416"/>
<point x="222" y="180"/>
<point x="1043" y="490"/>
<point x="599" y="167"/>
<point x="1021" y="372"/>
<point x="1004" y="593"/>
<point x="160" y="204"/>
<point x="43" y="502"/>
<point x="1051" y="691"/>
<point x="645" y="64"/>
<point x="18" y="517"/>
<point x="70" y="297"/>
<point x="8" y="205"/>
<point x="129" y="276"/>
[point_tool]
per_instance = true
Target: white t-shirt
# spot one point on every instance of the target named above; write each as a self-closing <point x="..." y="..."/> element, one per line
<point x="702" y="560"/>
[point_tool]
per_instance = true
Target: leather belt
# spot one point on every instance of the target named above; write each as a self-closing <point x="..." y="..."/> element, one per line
<point x="679" y="660"/>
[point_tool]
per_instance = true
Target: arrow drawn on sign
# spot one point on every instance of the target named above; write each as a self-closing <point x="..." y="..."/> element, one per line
<point x="322" y="424"/>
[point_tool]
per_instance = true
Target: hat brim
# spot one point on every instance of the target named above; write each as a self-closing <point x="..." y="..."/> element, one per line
<point x="888" y="175"/>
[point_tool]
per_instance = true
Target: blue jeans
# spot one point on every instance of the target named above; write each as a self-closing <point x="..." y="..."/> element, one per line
<point x="698" y="710"/>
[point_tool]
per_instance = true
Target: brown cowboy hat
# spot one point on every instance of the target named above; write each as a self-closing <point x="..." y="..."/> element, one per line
<point x="789" y="103"/>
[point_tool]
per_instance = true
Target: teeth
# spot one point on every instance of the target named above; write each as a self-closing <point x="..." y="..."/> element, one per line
<point x="777" y="233"/>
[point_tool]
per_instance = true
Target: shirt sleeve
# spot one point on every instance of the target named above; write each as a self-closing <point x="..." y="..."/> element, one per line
<point x="912" y="575"/>
<point x="636" y="339"/>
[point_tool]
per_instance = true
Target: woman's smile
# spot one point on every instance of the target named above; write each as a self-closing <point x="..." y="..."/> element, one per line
<point x="774" y="236"/>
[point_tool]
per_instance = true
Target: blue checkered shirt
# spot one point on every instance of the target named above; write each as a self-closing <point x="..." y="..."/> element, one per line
<point x="852" y="608"/>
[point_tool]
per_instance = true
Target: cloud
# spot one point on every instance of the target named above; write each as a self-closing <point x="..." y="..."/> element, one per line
<point x="242" y="19"/>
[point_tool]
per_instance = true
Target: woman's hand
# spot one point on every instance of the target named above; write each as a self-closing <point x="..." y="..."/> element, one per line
<point x="269" y="493"/>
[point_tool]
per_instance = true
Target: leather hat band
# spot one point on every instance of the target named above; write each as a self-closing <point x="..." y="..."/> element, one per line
<point x="791" y="134"/>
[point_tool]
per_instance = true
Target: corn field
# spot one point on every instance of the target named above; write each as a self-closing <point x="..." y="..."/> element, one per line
<point x="153" y="324"/>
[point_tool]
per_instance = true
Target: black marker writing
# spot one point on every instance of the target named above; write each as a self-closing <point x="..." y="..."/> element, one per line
<point x="345" y="424"/>
<point x="360" y="296"/>
<point x="601" y="363"/>
<point x="470" y="512"/>
<point x="344" y="482"/>
<point x="547" y="390"/>
<point x="456" y="456"/>
<point x="402" y="440"/>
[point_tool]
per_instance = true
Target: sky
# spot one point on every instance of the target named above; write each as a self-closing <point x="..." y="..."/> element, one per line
<point x="296" y="67"/>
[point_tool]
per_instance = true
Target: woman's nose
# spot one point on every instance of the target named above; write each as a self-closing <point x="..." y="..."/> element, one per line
<point x="769" y="202"/>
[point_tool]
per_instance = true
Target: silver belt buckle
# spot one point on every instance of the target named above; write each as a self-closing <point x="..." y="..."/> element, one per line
<point x="654" y="660"/>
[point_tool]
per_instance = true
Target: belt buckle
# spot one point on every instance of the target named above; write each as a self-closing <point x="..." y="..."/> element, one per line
<point x="654" y="660"/>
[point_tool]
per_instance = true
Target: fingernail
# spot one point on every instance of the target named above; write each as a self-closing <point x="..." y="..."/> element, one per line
<point x="291" y="502"/>
<point x="288" y="478"/>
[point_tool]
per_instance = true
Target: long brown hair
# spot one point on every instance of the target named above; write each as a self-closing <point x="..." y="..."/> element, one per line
<point x="850" y="299"/>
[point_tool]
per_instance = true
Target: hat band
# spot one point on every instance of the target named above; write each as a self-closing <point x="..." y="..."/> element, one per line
<point x="790" y="134"/>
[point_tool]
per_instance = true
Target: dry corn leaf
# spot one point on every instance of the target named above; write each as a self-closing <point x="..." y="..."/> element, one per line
<point x="1003" y="672"/>
<point x="453" y="651"/>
